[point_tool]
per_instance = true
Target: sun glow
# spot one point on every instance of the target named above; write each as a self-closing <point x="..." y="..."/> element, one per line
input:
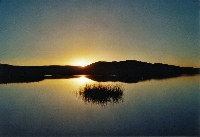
<point x="82" y="63"/>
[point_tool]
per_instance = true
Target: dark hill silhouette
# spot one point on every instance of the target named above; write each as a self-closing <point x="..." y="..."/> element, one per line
<point x="133" y="67"/>
<point x="130" y="71"/>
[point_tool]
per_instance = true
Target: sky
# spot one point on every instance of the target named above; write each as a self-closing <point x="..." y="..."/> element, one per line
<point x="64" y="32"/>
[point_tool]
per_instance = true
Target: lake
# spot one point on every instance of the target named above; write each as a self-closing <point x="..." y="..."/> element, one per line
<point x="53" y="107"/>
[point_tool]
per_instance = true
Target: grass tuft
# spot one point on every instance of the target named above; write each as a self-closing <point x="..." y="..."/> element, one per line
<point x="101" y="93"/>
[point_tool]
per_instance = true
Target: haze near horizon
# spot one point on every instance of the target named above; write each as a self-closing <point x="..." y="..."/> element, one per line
<point x="76" y="32"/>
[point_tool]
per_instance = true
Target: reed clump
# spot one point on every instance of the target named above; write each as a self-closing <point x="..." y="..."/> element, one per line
<point x="101" y="93"/>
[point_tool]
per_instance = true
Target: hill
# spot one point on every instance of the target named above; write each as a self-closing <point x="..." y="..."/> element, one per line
<point x="129" y="71"/>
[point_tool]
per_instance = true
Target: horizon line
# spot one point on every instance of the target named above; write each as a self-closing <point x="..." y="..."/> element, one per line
<point x="97" y="62"/>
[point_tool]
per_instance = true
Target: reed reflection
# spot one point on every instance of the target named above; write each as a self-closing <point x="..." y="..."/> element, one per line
<point x="101" y="94"/>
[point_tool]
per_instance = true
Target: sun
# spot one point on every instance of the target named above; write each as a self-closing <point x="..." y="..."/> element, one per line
<point x="82" y="63"/>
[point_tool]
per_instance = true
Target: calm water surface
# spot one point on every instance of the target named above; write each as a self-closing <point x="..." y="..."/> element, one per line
<point x="54" y="108"/>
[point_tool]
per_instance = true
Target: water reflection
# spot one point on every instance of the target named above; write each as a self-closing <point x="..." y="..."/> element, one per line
<point x="82" y="79"/>
<point x="124" y="78"/>
<point x="101" y="94"/>
<point x="153" y="108"/>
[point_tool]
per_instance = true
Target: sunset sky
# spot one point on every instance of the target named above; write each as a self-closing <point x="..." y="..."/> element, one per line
<point x="64" y="32"/>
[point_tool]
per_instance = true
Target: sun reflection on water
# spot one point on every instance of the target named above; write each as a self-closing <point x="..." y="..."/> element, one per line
<point x="82" y="80"/>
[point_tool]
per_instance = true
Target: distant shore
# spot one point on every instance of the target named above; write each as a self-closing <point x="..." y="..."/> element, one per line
<point x="129" y="70"/>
